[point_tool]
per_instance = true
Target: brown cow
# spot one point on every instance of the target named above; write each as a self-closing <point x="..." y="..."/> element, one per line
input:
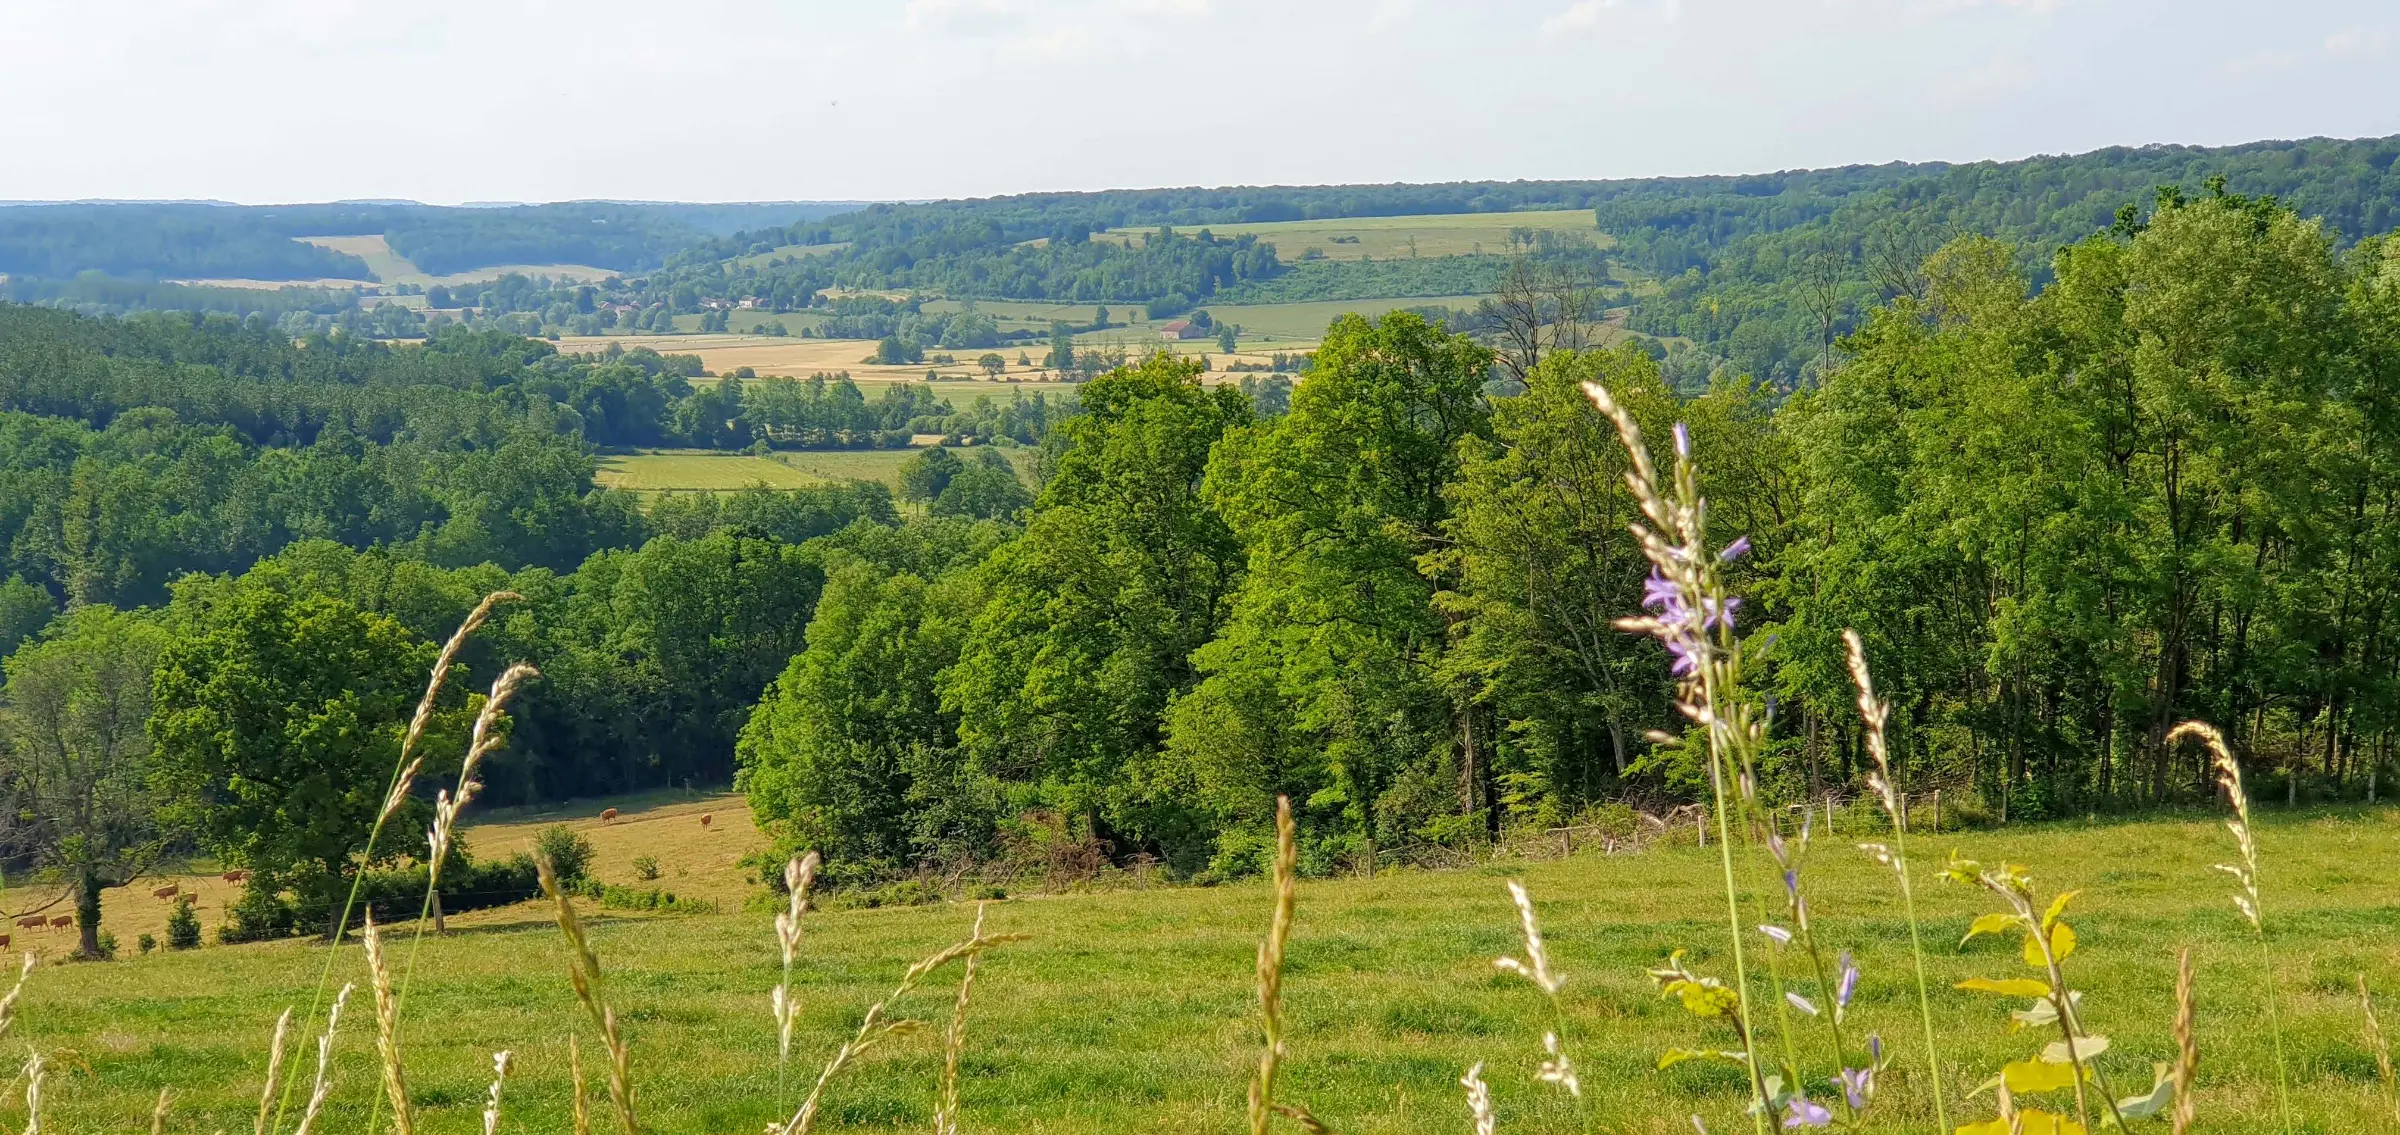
<point x="62" y="922"/>
<point x="705" y="818"/>
<point x="32" y="922"/>
<point x="3" y="941"/>
<point x="608" y="816"/>
<point x="237" y="876"/>
<point x="167" y="892"/>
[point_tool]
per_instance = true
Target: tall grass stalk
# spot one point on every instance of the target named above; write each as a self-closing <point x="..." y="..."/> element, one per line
<point x="2187" y="1045"/>
<point x="583" y="1091"/>
<point x="501" y="1062"/>
<point x="404" y="770"/>
<point x="2382" y="1047"/>
<point x="1264" y="1106"/>
<point x="387" y="1032"/>
<point x="485" y="738"/>
<point x="1556" y="1068"/>
<point x="954" y="1042"/>
<point x="1694" y="621"/>
<point x="266" y="1098"/>
<point x="36" y="1074"/>
<point x="583" y="969"/>
<point x="1874" y="713"/>
<point x="2229" y="777"/>
<point x="323" y="1085"/>
<point x="878" y="1027"/>
<point x="799" y="876"/>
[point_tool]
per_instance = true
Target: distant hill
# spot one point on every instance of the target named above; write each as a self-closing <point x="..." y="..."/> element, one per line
<point x="184" y="240"/>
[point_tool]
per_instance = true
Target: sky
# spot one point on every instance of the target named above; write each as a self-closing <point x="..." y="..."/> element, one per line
<point x="449" y="101"/>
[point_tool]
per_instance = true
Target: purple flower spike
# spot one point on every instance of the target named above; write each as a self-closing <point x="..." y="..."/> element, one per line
<point x="1781" y="936"/>
<point x="1858" y="1087"/>
<point x="1848" y="983"/>
<point x="1734" y="551"/>
<point x="1807" y="1113"/>
<point x="1875" y="1048"/>
<point x="1801" y="1003"/>
<point x="1683" y="441"/>
<point x="1660" y="593"/>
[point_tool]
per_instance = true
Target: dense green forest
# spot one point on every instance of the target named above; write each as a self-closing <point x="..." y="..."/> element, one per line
<point x="2154" y="479"/>
<point x="167" y="240"/>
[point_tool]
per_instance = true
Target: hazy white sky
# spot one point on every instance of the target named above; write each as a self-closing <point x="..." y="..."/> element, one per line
<point x="456" y="100"/>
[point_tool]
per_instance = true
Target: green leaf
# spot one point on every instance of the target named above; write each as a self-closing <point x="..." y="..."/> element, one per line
<point x="2025" y="1076"/>
<point x="2086" y="1047"/>
<point x="1989" y="924"/>
<point x="2058" y="906"/>
<point x="2006" y="986"/>
<point x="2155" y="1100"/>
<point x="1675" y="1056"/>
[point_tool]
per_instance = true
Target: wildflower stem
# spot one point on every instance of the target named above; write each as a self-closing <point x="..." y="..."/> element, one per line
<point x="1718" y="759"/>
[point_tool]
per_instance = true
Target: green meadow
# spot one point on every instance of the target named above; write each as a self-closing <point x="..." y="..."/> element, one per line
<point x="1132" y="1010"/>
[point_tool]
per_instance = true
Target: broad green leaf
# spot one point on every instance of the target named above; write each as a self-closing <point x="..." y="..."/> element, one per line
<point x="1989" y="924"/>
<point x="2037" y="1076"/>
<point x="1675" y="1056"/>
<point x="2062" y="943"/>
<point x="2031" y="1121"/>
<point x="2086" y="1047"/>
<point x="2058" y="906"/>
<point x="2155" y="1100"/>
<point x="2006" y="986"/>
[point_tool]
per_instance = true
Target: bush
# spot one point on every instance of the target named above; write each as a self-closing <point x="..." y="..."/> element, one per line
<point x="108" y="946"/>
<point x="613" y="897"/>
<point x="183" y="929"/>
<point x="261" y="913"/>
<point x="569" y="853"/>
<point x="146" y="943"/>
<point x="646" y="867"/>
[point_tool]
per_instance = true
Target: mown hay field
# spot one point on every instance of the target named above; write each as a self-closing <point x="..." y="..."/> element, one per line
<point x="1390" y="238"/>
<point x="1131" y="1010"/>
<point x="684" y="471"/>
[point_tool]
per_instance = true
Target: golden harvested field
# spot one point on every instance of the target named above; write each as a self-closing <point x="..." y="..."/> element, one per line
<point x="1391" y="238"/>
<point x="390" y="267"/>
<point x="696" y="861"/>
<point x="799" y="358"/>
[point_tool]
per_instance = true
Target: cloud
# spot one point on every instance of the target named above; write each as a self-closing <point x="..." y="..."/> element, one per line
<point x="2004" y="72"/>
<point x="972" y="19"/>
<point x="2359" y="43"/>
<point x="1584" y="15"/>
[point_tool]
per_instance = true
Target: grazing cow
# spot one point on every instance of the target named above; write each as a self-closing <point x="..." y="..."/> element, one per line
<point x="608" y="816"/>
<point x="62" y="922"/>
<point x="167" y="892"/>
<point x="705" y="818"/>
<point x="3" y="941"/>
<point x="237" y="876"/>
<point x="32" y="922"/>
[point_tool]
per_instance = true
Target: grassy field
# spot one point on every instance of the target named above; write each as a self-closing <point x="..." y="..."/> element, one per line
<point x="1389" y="238"/>
<point x="1132" y="1010"/>
<point x="703" y="471"/>
<point x="698" y="471"/>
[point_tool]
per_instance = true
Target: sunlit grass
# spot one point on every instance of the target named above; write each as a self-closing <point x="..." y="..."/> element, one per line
<point x="1135" y="1010"/>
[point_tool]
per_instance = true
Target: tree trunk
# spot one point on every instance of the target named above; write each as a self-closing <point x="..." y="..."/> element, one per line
<point x="87" y="913"/>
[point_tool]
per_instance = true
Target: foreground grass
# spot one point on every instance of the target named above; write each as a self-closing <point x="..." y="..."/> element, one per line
<point x="1131" y="1011"/>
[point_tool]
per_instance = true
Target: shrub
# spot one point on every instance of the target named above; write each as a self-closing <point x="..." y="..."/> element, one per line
<point x="646" y="867"/>
<point x="183" y="929"/>
<point x="569" y="853"/>
<point x="146" y="943"/>
<point x="261" y="913"/>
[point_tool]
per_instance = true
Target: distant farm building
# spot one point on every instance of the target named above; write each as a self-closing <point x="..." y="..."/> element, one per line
<point x="1181" y="329"/>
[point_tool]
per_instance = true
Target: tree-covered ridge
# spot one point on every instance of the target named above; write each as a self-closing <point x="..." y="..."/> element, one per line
<point x="147" y="240"/>
<point x="1763" y="272"/>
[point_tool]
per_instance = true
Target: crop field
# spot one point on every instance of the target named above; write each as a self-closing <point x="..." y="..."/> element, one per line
<point x="799" y="358"/>
<point x="1389" y="238"/>
<point x="698" y="471"/>
<point x="389" y="267"/>
<point x="685" y="471"/>
<point x="1131" y="1009"/>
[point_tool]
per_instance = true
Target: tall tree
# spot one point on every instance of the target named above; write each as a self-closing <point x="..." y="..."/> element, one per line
<point x="1338" y="502"/>
<point x="79" y="755"/>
